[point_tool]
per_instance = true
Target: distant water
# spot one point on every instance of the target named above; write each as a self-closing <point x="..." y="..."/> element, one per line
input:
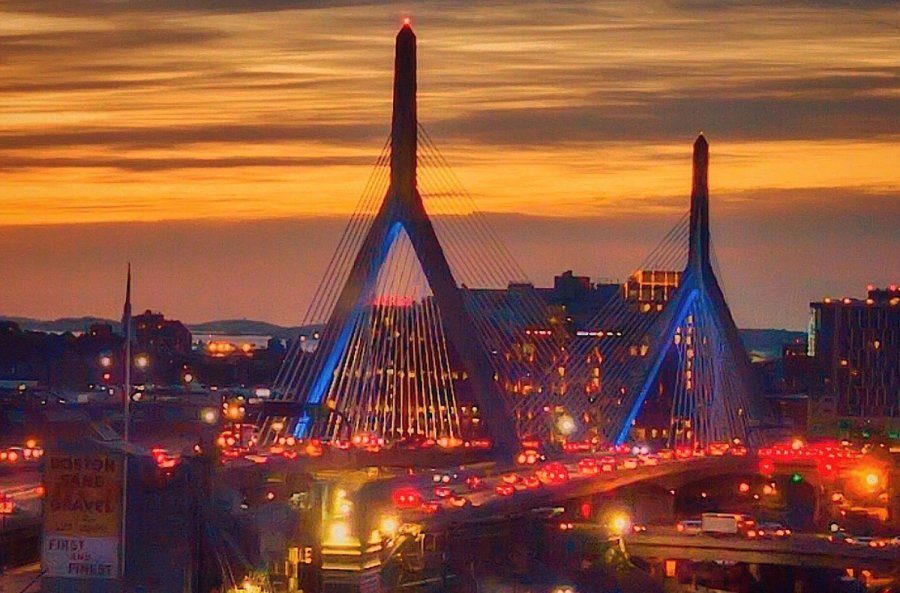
<point x="255" y="340"/>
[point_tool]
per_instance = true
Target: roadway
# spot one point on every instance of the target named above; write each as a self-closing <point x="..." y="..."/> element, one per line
<point x="812" y="550"/>
<point x="23" y="486"/>
<point x="21" y="579"/>
<point x="485" y="503"/>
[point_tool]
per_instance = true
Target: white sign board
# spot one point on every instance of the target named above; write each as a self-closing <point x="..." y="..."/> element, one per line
<point x="81" y="557"/>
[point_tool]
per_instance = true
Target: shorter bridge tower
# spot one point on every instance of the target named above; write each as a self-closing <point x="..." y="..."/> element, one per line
<point x="716" y="396"/>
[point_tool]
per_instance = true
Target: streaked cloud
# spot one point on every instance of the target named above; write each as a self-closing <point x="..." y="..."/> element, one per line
<point x="580" y="113"/>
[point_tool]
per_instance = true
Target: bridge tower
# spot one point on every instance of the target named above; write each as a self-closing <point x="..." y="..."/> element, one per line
<point x="698" y="324"/>
<point x="300" y="397"/>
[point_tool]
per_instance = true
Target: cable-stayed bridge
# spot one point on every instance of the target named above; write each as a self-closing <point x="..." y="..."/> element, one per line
<point x="434" y="335"/>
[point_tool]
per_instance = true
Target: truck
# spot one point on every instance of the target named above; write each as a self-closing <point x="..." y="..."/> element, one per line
<point x="722" y="523"/>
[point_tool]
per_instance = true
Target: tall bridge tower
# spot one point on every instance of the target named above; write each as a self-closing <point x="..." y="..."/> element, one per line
<point x="318" y="393"/>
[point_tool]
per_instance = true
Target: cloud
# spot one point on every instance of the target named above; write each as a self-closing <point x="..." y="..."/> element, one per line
<point x="107" y="7"/>
<point x="177" y="136"/>
<point x="580" y="115"/>
<point x="11" y="162"/>
<point x="815" y="4"/>
<point x="774" y="256"/>
<point x="829" y="107"/>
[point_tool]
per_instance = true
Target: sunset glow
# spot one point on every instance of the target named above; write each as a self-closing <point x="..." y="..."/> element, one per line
<point x="253" y="111"/>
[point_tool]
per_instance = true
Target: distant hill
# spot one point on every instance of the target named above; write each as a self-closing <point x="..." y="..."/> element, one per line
<point x="249" y="327"/>
<point x="65" y="324"/>
<point x="234" y="327"/>
<point x="760" y="343"/>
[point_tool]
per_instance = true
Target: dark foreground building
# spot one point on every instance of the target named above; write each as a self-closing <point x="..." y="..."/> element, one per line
<point x="856" y="345"/>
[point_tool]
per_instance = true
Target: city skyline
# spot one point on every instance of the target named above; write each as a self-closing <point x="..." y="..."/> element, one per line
<point x="567" y="115"/>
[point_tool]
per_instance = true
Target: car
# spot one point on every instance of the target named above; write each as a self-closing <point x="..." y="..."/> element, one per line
<point x="717" y="449"/>
<point x="459" y="501"/>
<point x="870" y="541"/>
<point x="475" y="482"/>
<point x="10" y="455"/>
<point x="444" y="477"/>
<point x="553" y="473"/>
<point x="443" y="492"/>
<point x="528" y="457"/>
<point x="406" y="498"/>
<point x="416" y="441"/>
<point x="608" y="464"/>
<point x="665" y="454"/>
<point x="837" y="537"/>
<point x="648" y="460"/>
<point x="724" y="524"/>
<point x="531" y="482"/>
<point x="505" y="489"/>
<point x="639" y="528"/>
<point x="480" y="443"/>
<point x="689" y="526"/>
<point x="857" y="540"/>
<point x="588" y="466"/>
<point x="629" y="463"/>
<point x="773" y="530"/>
<point x="511" y="478"/>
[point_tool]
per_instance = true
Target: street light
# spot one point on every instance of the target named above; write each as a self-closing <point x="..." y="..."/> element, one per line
<point x="619" y="523"/>
<point x="142" y="361"/>
<point x="389" y="526"/>
<point x="209" y="415"/>
<point x="566" y="425"/>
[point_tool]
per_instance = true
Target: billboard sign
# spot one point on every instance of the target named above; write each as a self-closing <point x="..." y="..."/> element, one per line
<point x="82" y="515"/>
<point x="81" y="557"/>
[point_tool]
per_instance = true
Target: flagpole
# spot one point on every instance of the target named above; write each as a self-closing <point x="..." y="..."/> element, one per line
<point x="126" y="326"/>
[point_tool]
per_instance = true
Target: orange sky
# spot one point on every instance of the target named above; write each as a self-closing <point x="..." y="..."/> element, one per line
<point x="163" y="111"/>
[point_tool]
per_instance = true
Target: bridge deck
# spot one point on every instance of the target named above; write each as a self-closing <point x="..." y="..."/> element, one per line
<point x="800" y="550"/>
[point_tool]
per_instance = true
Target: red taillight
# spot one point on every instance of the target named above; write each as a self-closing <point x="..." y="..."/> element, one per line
<point x="586" y="510"/>
<point x="459" y="501"/>
<point x="406" y="498"/>
<point x="505" y="490"/>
